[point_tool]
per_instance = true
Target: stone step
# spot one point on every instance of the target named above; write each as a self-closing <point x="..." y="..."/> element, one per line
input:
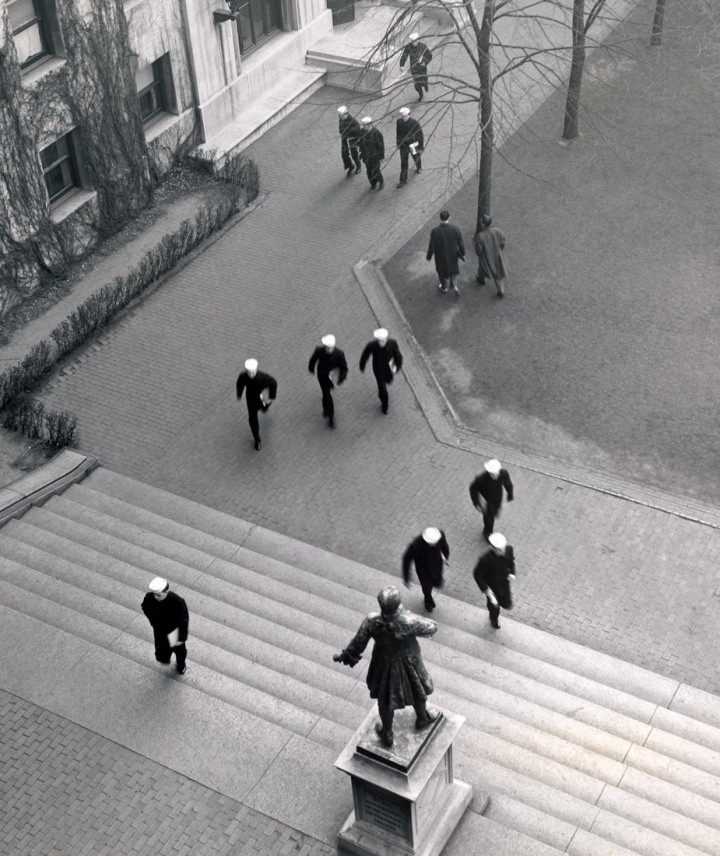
<point x="531" y="713"/>
<point x="567" y="774"/>
<point x="500" y="840"/>
<point x="261" y="114"/>
<point x="689" y="709"/>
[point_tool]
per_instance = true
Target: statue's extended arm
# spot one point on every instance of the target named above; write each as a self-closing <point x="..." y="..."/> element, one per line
<point x="352" y="655"/>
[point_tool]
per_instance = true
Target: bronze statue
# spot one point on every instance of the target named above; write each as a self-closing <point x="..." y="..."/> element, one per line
<point x="397" y="675"/>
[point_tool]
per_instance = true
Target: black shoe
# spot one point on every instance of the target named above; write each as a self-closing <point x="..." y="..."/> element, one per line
<point x="385" y="408"/>
<point x="349" y="171"/>
<point x="401" y="183"/>
<point x="331" y="421"/>
<point x="372" y="185"/>
<point x="418" y="169"/>
<point x="181" y="669"/>
<point x="381" y="185"/>
<point x="258" y="444"/>
<point x="495" y="624"/>
<point x="456" y="290"/>
<point x="429" y="608"/>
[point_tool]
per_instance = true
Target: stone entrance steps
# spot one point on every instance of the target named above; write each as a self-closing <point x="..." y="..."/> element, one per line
<point x="578" y="752"/>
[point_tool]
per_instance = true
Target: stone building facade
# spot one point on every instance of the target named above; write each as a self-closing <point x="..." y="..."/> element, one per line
<point x="98" y="97"/>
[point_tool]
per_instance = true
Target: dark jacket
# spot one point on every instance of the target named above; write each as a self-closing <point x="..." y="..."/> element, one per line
<point x="409" y="132"/>
<point x="490" y="489"/>
<point x="492" y="572"/>
<point x="419" y="55"/>
<point x="428" y="560"/>
<point x="253" y="386"/>
<point x="381" y="358"/>
<point x="168" y="614"/>
<point x="446" y="244"/>
<point x="350" y="129"/>
<point x="326" y="362"/>
<point x="372" y="145"/>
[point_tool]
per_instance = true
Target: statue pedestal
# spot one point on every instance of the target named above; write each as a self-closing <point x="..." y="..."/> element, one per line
<point x="406" y="800"/>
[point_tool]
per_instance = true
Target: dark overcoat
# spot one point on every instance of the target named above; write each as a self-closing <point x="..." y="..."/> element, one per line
<point x="372" y="145"/>
<point x="428" y="560"/>
<point x="493" y="571"/>
<point x="491" y="490"/>
<point x="326" y="362"/>
<point x="446" y="244"/>
<point x="350" y="129"/>
<point x="409" y="132"/>
<point x="397" y="675"/>
<point x="419" y="55"/>
<point x="167" y="615"/>
<point x="253" y="386"/>
<point x="382" y="357"/>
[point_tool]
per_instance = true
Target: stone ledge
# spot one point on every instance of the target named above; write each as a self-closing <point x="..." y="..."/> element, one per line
<point x="64" y="469"/>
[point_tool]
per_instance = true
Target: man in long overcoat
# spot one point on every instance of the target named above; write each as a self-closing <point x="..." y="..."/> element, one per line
<point x="372" y="151"/>
<point x="419" y="55"/>
<point x="446" y="244"/>
<point x="410" y="141"/>
<point x="260" y="391"/>
<point x="493" y="573"/>
<point x="328" y="358"/>
<point x="350" y="132"/>
<point x="397" y="676"/>
<point x="428" y="552"/>
<point x="490" y="249"/>
<point x="486" y="493"/>
<point x="168" y="615"/>
<point x="386" y="362"/>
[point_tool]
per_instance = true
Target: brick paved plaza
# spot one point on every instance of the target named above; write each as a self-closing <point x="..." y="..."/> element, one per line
<point x="624" y="569"/>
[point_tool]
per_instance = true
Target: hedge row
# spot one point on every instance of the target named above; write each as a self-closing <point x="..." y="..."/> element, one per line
<point x="18" y="411"/>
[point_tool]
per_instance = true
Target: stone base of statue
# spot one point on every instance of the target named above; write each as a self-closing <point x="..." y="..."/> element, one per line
<point x="406" y="799"/>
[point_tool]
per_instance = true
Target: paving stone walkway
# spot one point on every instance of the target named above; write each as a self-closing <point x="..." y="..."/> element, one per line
<point x="155" y="397"/>
<point x="65" y="790"/>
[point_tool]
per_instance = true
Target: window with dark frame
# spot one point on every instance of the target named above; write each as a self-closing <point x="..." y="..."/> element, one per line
<point x="59" y="168"/>
<point x="29" y="31"/>
<point x="151" y="89"/>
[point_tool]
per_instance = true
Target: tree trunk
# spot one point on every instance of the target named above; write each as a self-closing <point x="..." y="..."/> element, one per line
<point x="487" y="135"/>
<point x="657" y="30"/>
<point x="577" y="66"/>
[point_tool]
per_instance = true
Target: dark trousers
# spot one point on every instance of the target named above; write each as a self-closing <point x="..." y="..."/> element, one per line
<point x="427" y="590"/>
<point x="489" y="514"/>
<point x="254" y="424"/>
<point x="445" y="278"/>
<point x="163" y="651"/>
<point x="372" y="165"/>
<point x="494" y="611"/>
<point x="417" y="160"/>
<point x="350" y="154"/>
<point x="420" y="81"/>
<point x="328" y="405"/>
<point x="383" y="392"/>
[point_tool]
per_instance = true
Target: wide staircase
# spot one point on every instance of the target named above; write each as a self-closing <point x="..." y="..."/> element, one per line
<point x="578" y="753"/>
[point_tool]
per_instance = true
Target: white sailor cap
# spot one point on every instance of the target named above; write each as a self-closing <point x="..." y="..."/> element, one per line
<point x="366" y="120"/>
<point x="493" y="467"/>
<point x="380" y="334"/>
<point x="342" y="110"/>
<point x="414" y="37"/>
<point x="158" y="584"/>
<point x="404" y="111"/>
<point x="251" y="365"/>
<point x="498" y="541"/>
<point x="328" y="341"/>
<point x="431" y="535"/>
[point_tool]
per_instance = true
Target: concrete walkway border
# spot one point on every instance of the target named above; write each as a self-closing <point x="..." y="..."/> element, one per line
<point x="448" y="429"/>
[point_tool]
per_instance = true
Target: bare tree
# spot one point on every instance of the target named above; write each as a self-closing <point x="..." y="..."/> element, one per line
<point x="580" y="27"/>
<point x="657" y="28"/>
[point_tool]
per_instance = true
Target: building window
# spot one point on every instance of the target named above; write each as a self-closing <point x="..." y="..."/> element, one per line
<point x="155" y="89"/>
<point x="30" y="31"/>
<point x="60" y="168"/>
